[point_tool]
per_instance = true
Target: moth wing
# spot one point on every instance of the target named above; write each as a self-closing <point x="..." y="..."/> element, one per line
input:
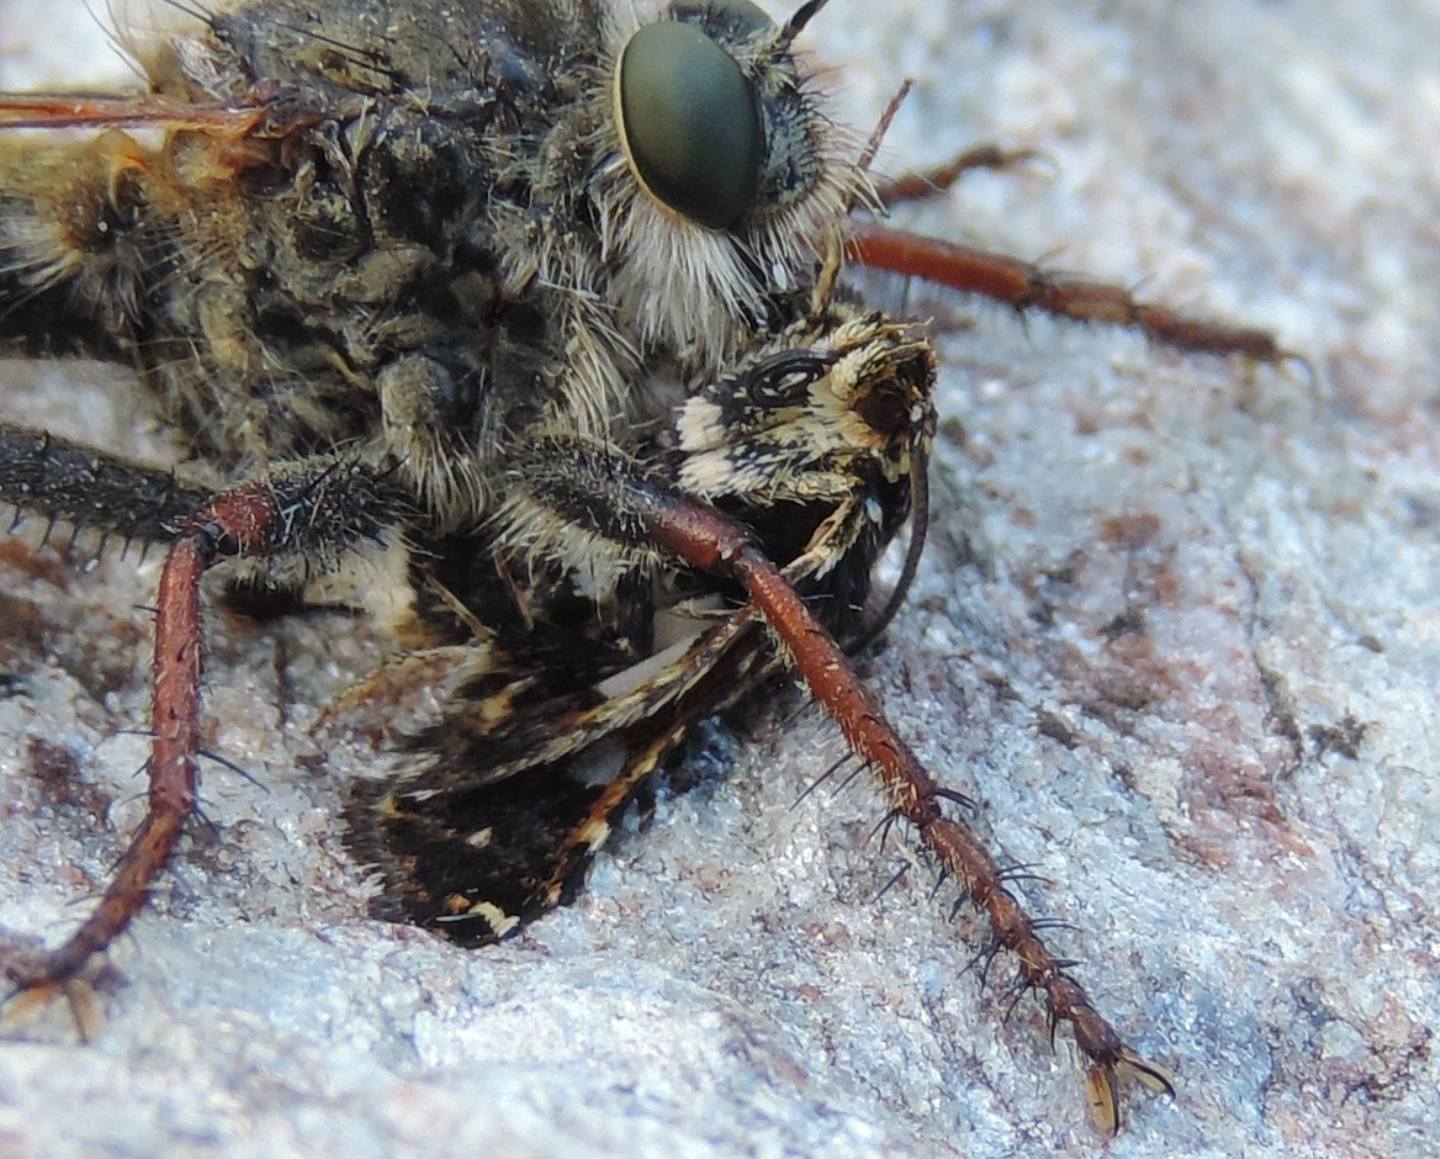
<point x="513" y="793"/>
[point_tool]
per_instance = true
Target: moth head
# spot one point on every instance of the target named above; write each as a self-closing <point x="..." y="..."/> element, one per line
<point x="830" y="406"/>
<point x="727" y="179"/>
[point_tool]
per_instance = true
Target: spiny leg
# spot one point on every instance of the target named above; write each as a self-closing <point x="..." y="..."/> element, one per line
<point x="68" y="482"/>
<point x="312" y="510"/>
<point x="615" y="498"/>
<point x="85" y="488"/>
<point x="1026" y="286"/>
<point x="927" y="182"/>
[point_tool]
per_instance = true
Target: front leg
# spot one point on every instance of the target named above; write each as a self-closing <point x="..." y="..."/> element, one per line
<point x="611" y="497"/>
<point x="301" y="514"/>
<point x="1026" y="286"/>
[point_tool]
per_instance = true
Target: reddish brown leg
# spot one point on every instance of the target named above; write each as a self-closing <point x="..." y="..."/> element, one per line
<point x="237" y="521"/>
<point x="1028" y="287"/>
<point x="313" y="510"/>
<point x="712" y="542"/>
<point x="927" y="182"/>
<point x="612" y="496"/>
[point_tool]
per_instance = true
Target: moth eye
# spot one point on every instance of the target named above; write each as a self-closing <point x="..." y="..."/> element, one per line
<point x="690" y="123"/>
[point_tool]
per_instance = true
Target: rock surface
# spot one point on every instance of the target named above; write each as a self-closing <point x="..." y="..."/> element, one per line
<point x="1177" y="630"/>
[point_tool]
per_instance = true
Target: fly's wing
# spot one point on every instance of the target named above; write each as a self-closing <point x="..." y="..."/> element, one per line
<point x="517" y="789"/>
<point x="514" y="791"/>
<point x="87" y="219"/>
<point x="137" y="111"/>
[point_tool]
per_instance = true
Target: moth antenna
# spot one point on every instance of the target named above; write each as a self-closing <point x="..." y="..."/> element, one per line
<point x="882" y="126"/>
<point x="914" y="550"/>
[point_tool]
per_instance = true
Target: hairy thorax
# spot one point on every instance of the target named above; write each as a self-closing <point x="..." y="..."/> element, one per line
<point x="336" y="270"/>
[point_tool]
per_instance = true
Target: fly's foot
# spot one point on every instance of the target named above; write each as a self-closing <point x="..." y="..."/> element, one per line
<point x="37" y="978"/>
<point x="1102" y="1084"/>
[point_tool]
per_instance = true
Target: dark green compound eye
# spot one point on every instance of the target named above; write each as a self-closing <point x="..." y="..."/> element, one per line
<point x="690" y="123"/>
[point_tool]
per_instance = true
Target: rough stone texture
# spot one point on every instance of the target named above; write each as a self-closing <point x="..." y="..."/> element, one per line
<point x="1177" y="630"/>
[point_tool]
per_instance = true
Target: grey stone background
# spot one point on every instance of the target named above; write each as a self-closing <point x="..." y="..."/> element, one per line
<point x="1178" y="630"/>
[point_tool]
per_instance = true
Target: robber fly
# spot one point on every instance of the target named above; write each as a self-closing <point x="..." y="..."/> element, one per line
<point x="536" y="301"/>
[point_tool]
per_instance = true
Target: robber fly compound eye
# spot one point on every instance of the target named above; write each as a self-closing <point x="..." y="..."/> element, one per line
<point x="689" y="122"/>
